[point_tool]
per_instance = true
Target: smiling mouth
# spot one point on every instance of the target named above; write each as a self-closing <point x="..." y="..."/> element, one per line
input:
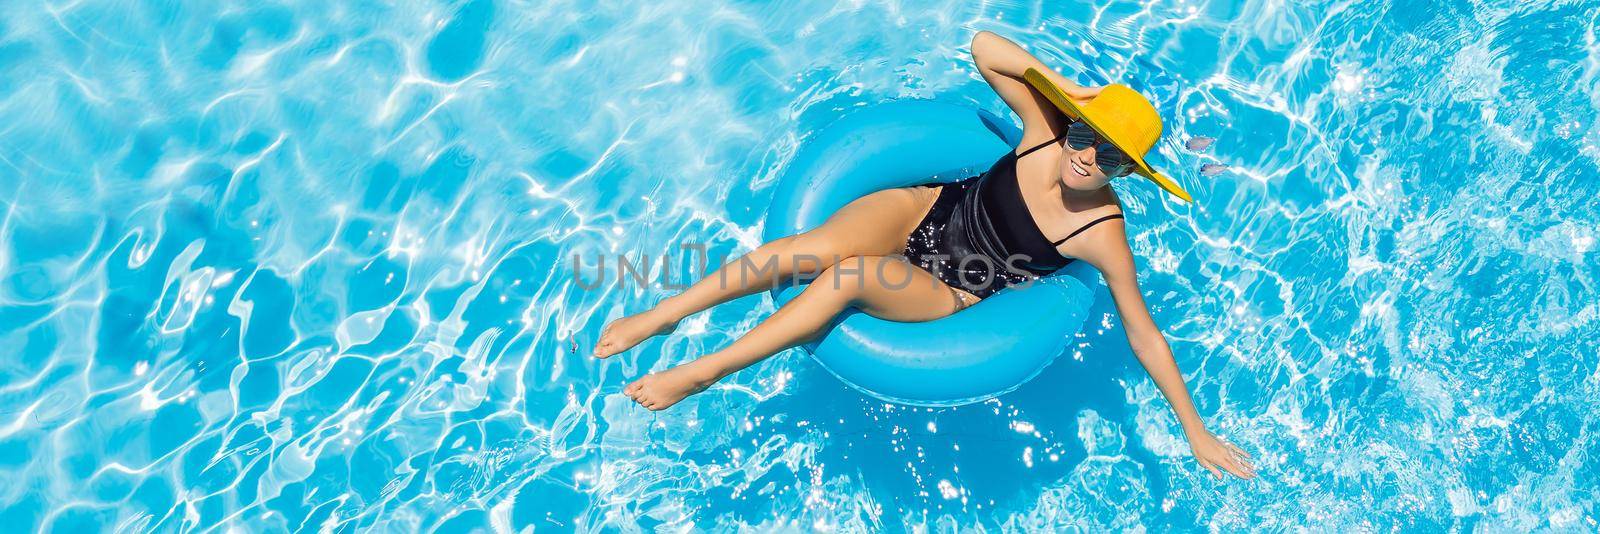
<point x="1080" y="170"/>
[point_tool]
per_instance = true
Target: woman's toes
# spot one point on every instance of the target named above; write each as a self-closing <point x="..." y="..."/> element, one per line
<point x="627" y="332"/>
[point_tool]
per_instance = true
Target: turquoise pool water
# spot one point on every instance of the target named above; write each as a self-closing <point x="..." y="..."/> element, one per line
<point x="304" y="265"/>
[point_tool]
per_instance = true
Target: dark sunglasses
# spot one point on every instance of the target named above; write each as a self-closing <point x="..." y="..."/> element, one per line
<point x="1107" y="156"/>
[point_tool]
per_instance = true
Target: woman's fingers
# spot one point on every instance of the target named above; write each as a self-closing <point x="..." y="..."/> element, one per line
<point x="1247" y="467"/>
<point x="1244" y="462"/>
<point x="1226" y="461"/>
<point x="1241" y="461"/>
<point x="1085" y="92"/>
<point x="1237" y="468"/>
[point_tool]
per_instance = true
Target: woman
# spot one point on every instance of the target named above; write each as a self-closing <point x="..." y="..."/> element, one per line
<point x="1029" y="215"/>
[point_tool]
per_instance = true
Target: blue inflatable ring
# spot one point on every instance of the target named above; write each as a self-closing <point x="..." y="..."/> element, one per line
<point x="983" y="351"/>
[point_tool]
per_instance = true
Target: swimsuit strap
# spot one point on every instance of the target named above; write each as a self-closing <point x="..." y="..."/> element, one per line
<point x="1042" y="145"/>
<point x="1087" y="226"/>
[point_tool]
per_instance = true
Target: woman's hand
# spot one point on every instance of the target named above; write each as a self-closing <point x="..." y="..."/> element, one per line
<point x="1082" y="94"/>
<point x="1218" y="456"/>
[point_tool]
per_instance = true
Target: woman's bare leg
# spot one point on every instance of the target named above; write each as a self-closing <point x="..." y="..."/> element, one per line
<point x="873" y="225"/>
<point x="887" y="288"/>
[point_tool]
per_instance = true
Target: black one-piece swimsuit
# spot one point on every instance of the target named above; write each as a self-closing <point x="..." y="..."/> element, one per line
<point x="979" y="235"/>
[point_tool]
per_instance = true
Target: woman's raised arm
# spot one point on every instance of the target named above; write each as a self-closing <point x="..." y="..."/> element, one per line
<point x="1002" y="64"/>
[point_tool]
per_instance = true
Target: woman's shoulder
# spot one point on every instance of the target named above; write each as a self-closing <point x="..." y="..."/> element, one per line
<point x="1103" y="202"/>
<point x="1097" y="228"/>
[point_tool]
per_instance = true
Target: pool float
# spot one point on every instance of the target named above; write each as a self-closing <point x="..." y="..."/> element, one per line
<point x="983" y="351"/>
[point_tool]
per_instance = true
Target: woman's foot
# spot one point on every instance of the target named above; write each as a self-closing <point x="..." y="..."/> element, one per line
<point x="622" y="334"/>
<point x="657" y="391"/>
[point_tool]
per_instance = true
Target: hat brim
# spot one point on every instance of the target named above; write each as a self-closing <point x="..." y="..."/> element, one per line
<point x="1088" y="116"/>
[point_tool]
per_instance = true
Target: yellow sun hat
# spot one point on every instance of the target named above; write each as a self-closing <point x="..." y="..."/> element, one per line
<point x="1122" y="116"/>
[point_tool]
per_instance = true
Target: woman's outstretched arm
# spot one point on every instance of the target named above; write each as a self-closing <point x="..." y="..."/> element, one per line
<point x="1115" y="262"/>
<point x="1002" y="64"/>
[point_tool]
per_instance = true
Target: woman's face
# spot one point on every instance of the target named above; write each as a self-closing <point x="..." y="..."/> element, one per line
<point x="1078" y="170"/>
